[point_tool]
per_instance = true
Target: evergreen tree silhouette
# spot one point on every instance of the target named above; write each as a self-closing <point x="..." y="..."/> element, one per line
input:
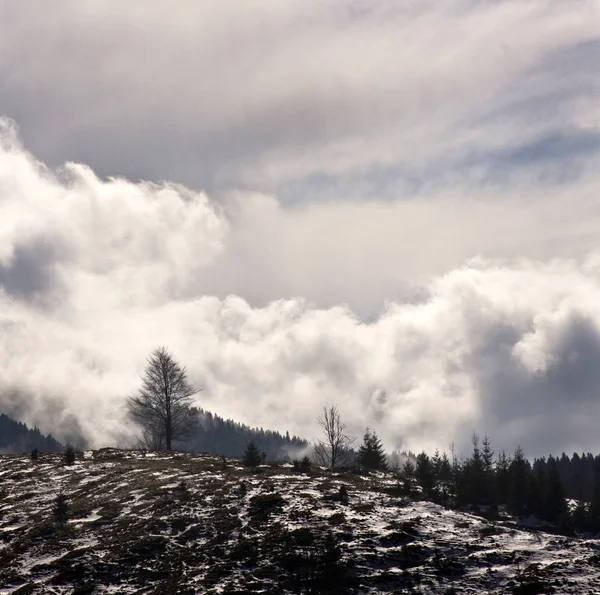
<point x="69" y="455"/>
<point x="371" y="454"/>
<point x="487" y="458"/>
<point x="502" y="478"/>
<point x="252" y="455"/>
<point x="594" y="508"/>
<point x="518" y="483"/>
<point x="424" y="473"/>
<point x="61" y="510"/>
<point x="555" y="508"/>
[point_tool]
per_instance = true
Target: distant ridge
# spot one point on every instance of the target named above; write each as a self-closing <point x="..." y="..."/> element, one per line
<point x="16" y="437"/>
<point x="214" y="434"/>
<point x="211" y="434"/>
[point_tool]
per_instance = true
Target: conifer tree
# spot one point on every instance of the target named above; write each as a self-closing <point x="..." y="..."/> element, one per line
<point x="61" y="510"/>
<point x="436" y="465"/>
<point x="487" y="454"/>
<point x="474" y="474"/>
<point x="502" y="478"/>
<point x="371" y="454"/>
<point x="594" y="508"/>
<point x="252" y="455"/>
<point x="487" y="457"/>
<point x="408" y="474"/>
<point x="408" y="469"/>
<point x="537" y="488"/>
<point x="580" y="516"/>
<point x="424" y="473"/>
<point x="69" y="455"/>
<point x="444" y="480"/>
<point x="518" y="483"/>
<point x="455" y="477"/>
<point x="445" y="470"/>
<point x="555" y="508"/>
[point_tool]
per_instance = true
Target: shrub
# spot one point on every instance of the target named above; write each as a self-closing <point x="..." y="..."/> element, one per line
<point x="263" y="505"/>
<point x="61" y="510"/>
<point x="302" y="466"/>
<point x="343" y="494"/>
<point x="311" y="562"/>
<point x="35" y="453"/>
<point x="69" y="455"/>
<point x="183" y="491"/>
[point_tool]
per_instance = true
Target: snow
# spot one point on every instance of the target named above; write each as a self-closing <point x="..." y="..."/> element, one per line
<point x="93" y="516"/>
<point x="121" y="502"/>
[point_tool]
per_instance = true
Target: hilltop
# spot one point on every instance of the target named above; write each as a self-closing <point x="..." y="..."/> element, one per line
<point x="183" y="523"/>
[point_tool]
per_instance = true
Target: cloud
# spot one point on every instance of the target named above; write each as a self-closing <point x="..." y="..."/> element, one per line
<point x="274" y="97"/>
<point x="389" y="205"/>
<point x="431" y="344"/>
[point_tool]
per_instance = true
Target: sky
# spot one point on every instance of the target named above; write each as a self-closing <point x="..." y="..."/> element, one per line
<point x="387" y="204"/>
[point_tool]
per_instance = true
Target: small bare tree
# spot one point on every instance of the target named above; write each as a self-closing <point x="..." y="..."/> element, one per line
<point x="334" y="449"/>
<point x="163" y="407"/>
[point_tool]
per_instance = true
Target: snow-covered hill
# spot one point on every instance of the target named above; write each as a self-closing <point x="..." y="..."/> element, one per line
<point x="190" y="524"/>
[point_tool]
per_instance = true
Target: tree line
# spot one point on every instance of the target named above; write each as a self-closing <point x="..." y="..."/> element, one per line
<point x="564" y="492"/>
<point x="164" y="410"/>
<point x="17" y="437"/>
<point x="229" y="438"/>
<point x="510" y="482"/>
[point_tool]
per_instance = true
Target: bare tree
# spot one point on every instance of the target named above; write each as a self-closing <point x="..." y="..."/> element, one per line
<point x="334" y="449"/>
<point x="162" y="408"/>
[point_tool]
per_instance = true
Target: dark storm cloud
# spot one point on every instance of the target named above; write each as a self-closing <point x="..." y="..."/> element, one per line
<point x="30" y="274"/>
<point x="544" y="406"/>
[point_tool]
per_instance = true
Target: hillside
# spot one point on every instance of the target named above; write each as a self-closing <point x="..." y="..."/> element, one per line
<point x="17" y="437"/>
<point x="210" y="433"/>
<point x="217" y="435"/>
<point x="184" y="524"/>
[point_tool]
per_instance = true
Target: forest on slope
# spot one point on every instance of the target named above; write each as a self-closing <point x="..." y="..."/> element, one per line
<point x="17" y="437"/>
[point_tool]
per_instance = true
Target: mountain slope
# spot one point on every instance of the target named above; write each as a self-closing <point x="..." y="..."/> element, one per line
<point x="227" y="437"/>
<point x="17" y="437"/>
<point x="184" y="524"/>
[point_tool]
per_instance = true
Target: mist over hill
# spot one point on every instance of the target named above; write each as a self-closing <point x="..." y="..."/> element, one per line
<point x="213" y="434"/>
<point x="210" y="434"/>
<point x="16" y="437"/>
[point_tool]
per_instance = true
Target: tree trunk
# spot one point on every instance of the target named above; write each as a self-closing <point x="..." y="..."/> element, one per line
<point x="168" y="432"/>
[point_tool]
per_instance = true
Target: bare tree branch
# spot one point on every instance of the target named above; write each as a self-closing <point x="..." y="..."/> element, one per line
<point x="334" y="449"/>
<point x="162" y="407"/>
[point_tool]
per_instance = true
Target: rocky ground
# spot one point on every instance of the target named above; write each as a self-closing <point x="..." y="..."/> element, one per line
<point x="192" y="524"/>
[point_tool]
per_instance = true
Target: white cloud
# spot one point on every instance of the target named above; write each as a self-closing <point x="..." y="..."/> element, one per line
<point x="505" y="345"/>
<point x="437" y="157"/>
